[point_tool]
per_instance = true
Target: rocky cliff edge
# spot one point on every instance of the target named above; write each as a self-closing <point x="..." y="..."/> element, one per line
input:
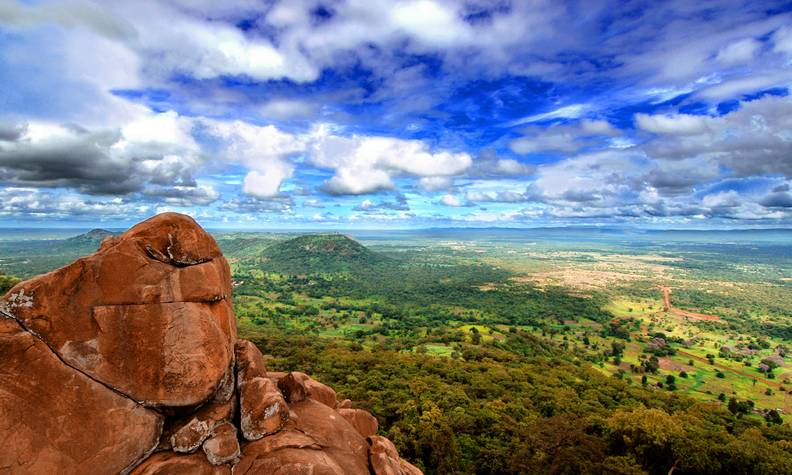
<point x="128" y="361"/>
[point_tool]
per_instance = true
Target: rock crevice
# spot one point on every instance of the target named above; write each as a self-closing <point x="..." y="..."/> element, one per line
<point x="128" y="361"/>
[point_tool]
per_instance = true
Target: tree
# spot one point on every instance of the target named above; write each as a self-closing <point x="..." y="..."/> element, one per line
<point x="773" y="417"/>
<point x="476" y="337"/>
<point x="740" y="408"/>
<point x="648" y="434"/>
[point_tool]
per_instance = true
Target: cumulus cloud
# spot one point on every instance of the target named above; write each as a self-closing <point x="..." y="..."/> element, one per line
<point x="451" y="200"/>
<point x="263" y="149"/>
<point x="153" y="149"/>
<point x="72" y="120"/>
<point x="365" y="164"/>
<point x="435" y="183"/>
<point x="676" y="124"/>
<point x="752" y="140"/>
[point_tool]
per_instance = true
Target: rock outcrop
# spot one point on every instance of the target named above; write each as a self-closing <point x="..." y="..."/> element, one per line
<point x="127" y="361"/>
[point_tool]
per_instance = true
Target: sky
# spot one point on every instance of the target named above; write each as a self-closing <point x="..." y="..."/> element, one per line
<point x="378" y="114"/>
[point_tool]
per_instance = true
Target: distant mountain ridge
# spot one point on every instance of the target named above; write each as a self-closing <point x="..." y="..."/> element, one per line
<point x="94" y="236"/>
<point x="314" y="253"/>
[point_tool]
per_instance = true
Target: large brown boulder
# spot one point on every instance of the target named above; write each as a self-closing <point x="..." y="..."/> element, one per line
<point x="127" y="361"/>
<point x="149" y="314"/>
<point x="54" y="419"/>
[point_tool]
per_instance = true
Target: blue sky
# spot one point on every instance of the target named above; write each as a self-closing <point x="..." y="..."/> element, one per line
<point x="396" y="114"/>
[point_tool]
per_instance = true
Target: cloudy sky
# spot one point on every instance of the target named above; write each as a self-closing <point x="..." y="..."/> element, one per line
<point x="394" y="114"/>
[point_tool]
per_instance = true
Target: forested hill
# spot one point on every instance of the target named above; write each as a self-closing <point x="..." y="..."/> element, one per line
<point x="93" y="237"/>
<point x="326" y="253"/>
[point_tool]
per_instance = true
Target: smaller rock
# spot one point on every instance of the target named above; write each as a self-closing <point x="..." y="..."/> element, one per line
<point x="223" y="446"/>
<point x="263" y="411"/>
<point x="361" y="420"/>
<point x="208" y="416"/>
<point x="190" y="436"/>
<point x="249" y="361"/>
<point x="385" y="459"/>
<point x="298" y="386"/>
<point x="345" y="404"/>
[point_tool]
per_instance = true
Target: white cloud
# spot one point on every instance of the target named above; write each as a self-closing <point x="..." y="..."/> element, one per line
<point x="285" y="109"/>
<point x="263" y="149"/>
<point x="153" y="149"/>
<point x="782" y="40"/>
<point x="364" y="164"/>
<point x="723" y="199"/>
<point x="16" y="201"/>
<point x="676" y="124"/>
<point x="752" y="140"/>
<point x="572" y="111"/>
<point x="358" y="181"/>
<point x="435" y="183"/>
<point x="163" y="128"/>
<point x="500" y="196"/>
<point x="430" y="22"/>
<point x="450" y="200"/>
<point x="740" y="51"/>
<point x="489" y="165"/>
<point x="266" y="184"/>
<point x="564" y="137"/>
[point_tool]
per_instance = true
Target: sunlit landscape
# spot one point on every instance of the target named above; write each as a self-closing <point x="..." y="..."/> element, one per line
<point x="395" y="237"/>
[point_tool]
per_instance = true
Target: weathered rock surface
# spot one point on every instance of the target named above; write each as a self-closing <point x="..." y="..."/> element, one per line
<point x="223" y="446"/>
<point x="54" y="419"/>
<point x="127" y="361"/>
<point x="361" y="420"/>
<point x="298" y="386"/>
<point x="315" y="440"/>
<point x="169" y="463"/>
<point x="385" y="459"/>
<point x="149" y="314"/>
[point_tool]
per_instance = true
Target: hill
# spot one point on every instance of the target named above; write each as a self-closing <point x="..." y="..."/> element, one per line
<point x="93" y="237"/>
<point x="314" y="253"/>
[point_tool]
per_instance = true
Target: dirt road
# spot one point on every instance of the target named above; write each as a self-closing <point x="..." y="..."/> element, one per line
<point x="684" y="313"/>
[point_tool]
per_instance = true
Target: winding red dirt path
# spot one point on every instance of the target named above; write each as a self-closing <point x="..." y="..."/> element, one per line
<point x="684" y="313"/>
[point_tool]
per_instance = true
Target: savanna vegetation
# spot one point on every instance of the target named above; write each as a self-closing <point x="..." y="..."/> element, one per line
<point x="489" y="352"/>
